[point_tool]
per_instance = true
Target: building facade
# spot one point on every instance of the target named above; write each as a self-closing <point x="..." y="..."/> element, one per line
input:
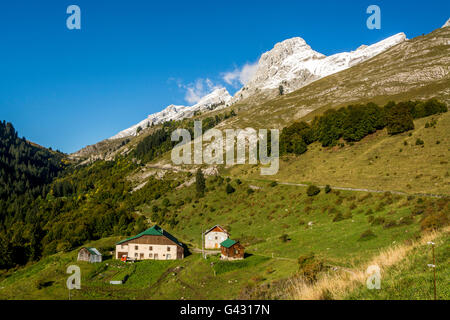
<point x="91" y="255"/>
<point x="215" y="236"/>
<point x="231" y="250"/>
<point x="152" y="244"/>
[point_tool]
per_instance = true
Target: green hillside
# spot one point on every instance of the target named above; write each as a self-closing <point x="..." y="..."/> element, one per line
<point x="377" y="162"/>
<point x="361" y="185"/>
<point x="273" y="222"/>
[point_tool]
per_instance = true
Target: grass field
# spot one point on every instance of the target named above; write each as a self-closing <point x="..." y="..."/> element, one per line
<point x="412" y="278"/>
<point x="328" y="225"/>
<point x="379" y="162"/>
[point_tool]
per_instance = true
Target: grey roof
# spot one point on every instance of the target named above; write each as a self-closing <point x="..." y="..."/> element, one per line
<point x="93" y="251"/>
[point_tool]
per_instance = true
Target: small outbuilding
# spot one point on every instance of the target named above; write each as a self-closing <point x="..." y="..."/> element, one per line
<point x="231" y="250"/>
<point x="91" y="255"/>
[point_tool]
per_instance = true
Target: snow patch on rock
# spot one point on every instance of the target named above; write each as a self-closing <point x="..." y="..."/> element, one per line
<point x="215" y="100"/>
<point x="294" y="64"/>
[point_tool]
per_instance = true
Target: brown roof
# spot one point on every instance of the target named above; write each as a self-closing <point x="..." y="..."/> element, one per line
<point x="218" y="228"/>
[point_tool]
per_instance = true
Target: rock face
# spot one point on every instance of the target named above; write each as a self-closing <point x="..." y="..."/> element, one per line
<point x="447" y="24"/>
<point x="415" y="69"/>
<point x="216" y="99"/>
<point x="293" y="64"/>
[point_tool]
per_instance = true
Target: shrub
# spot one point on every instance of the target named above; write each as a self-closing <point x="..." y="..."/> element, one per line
<point x="284" y="238"/>
<point x="338" y="217"/>
<point x="310" y="267"/>
<point x="229" y="189"/>
<point x="238" y="181"/>
<point x="378" y="221"/>
<point x="273" y="184"/>
<point x="419" y="142"/>
<point x="434" y="221"/>
<point x="389" y="224"/>
<point x="406" y="220"/>
<point x="367" y="235"/>
<point x="312" y="191"/>
<point x="327" y="188"/>
<point x="250" y="191"/>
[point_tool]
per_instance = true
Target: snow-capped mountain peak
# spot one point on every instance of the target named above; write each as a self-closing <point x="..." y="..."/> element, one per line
<point x="447" y="24"/>
<point x="293" y="64"/>
<point x="216" y="99"/>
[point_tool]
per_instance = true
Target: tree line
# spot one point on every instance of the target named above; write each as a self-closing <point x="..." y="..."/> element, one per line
<point x="354" y="122"/>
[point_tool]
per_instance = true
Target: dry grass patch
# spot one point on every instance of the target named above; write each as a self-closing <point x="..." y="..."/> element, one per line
<point x="338" y="284"/>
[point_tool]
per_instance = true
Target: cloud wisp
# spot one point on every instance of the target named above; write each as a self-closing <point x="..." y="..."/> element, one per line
<point x="240" y="76"/>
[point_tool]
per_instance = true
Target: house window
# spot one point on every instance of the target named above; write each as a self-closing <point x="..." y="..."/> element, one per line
<point x="150" y="248"/>
<point x="168" y="257"/>
<point x="135" y="255"/>
<point x="215" y="238"/>
<point x="150" y="255"/>
<point x="168" y="248"/>
<point x="136" y="247"/>
<point x="156" y="256"/>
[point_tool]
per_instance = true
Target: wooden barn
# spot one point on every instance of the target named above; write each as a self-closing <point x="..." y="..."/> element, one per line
<point x="152" y="244"/>
<point x="232" y="250"/>
<point x="215" y="236"/>
<point x="91" y="255"/>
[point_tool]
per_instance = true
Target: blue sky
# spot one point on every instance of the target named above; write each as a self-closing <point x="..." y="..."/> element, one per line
<point x="66" y="89"/>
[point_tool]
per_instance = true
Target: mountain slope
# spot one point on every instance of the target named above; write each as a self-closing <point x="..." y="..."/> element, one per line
<point x="415" y="69"/>
<point x="293" y="64"/>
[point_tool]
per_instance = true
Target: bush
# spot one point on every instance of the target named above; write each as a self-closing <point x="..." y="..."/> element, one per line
<point x="312" y="191"/>
<point x="378" y="221"/>
<point x="250" y="191"/>
<point x="367" y="235"/>
<point x="434" y="221"/>
<point x="389" y="224"/>
<point x="338" y="217"/>
<point x="406" y="220"/>
<point x="419" y="142"/>
<point x="310" y="267"/>
<point x="327" y="188"/>
<point x="284" y="238"/>
<point x="273" y="184"/>
<point x="229" y="189"/>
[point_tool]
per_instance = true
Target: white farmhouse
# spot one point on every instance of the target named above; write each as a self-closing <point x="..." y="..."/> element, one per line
<point x="215" y="236"/>
<point x="152" y="244"/>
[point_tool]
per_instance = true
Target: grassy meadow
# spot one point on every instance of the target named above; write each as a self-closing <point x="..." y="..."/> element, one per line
<point x="276" y="223"/>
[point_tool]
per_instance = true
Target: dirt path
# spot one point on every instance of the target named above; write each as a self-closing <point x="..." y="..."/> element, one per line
<point x="429" y="195"/>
